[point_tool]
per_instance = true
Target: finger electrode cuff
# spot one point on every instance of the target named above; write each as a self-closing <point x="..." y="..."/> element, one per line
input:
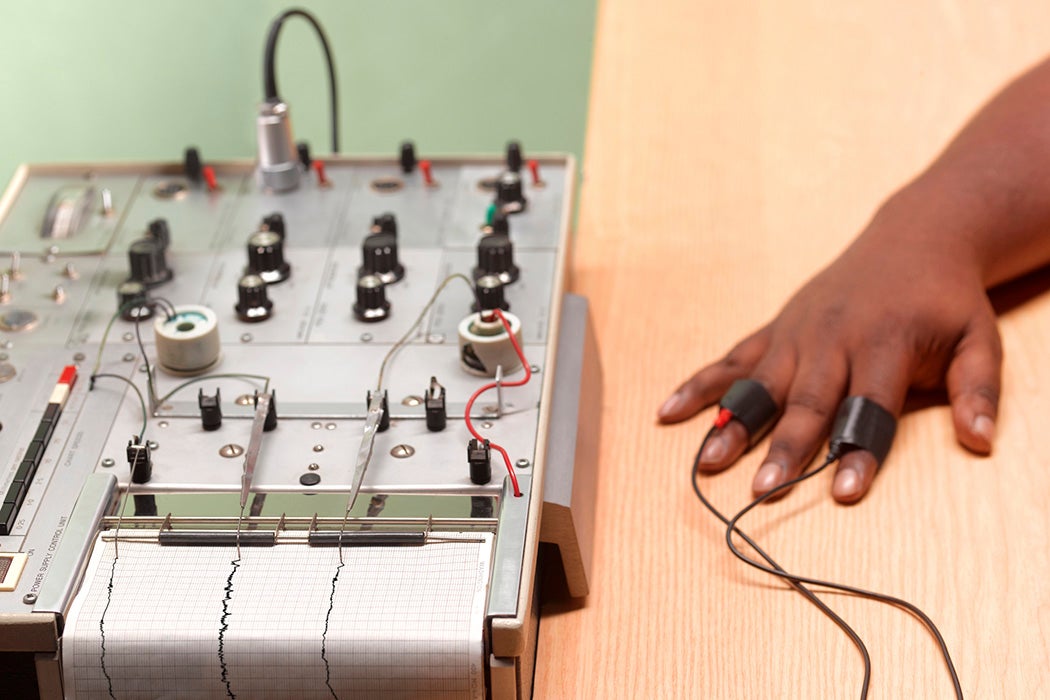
<point x="862" y="424"/>
<point x="750" y="403"/>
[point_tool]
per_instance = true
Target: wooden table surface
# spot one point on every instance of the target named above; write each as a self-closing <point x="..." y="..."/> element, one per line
<point x="733" y="149"/>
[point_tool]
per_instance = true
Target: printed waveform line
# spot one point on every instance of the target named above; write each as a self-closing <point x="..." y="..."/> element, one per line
<point x="324" y="635"/>
<point x="102" y="629"/>
<point x="224" y="625"/>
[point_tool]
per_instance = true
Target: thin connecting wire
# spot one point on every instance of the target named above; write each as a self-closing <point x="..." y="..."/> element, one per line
<point x="419" y="320"/>
<point x="891" y="600"/>
<point x="803" y="590"/>
<point x="142" y="400"/>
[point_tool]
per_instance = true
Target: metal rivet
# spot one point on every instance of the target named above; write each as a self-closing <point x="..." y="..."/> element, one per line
<point x="244" y="400"/>
<point x="144" y="368"/>
<point x="128" y="357"/>
<point x="366" y="337"/>
<point x="402" y="451"/>
<point x="163" y="424"/>
<point x="29" y="598"/>
<point x="108" y="462"/>
<point x="412" y="400"/>
<point x="7" y="345"/>
<point x="230" y="451"/>
<point x="523" y="463"/>
<point x="436" y="338"/>
<point x="491" y="409"/>
<point x="153" y="444"/>
<point x="128" y="337"/>
<point x="318" y="448"/>
<point x="330" y="426"/>
<point x="487" y="424"/>
<point x="246" y="337"/>
<point x="313" y="466"/>
<point x="316" y="425"/>
<point x="535" y="369"/>
<point x="79" y="357"/>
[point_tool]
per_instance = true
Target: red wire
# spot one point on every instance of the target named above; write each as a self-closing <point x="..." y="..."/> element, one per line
<point x="493" y="385"/>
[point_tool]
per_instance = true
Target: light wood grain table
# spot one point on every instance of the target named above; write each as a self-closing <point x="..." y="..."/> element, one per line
<point x="733" y="149"/>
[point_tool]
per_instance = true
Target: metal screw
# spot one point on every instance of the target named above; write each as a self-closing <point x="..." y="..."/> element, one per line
<point x="29" y="598"/>
<point x="128" y="357"/>
<point x="128" y="337"/>
<point x="366" y="337"/>
<point x="4" y="357"/>
<point x="330" y="426"/>
<point x="412" y="400"/>
<point x="244" y="400"/>
<point x="318" y="448"/>
<point x="79" y="357"/>
<point x="144" y="368"/>
<point x="7" y="345"/>
<point x="230" y="451"/>
<point x="108" y="462"/>
<point x="535" y="369"/>
<point x="313" y="466"/>
<point x="316" y="425"/>
<point x="523" y="463"/>
<point x="491" y="409"/>
<point x="436" y="338"/>
<point x="162" y="424"/>
<point x="487" y="424"/>
<point x="153" y="444"/>
<point x="246" y="337"/>
<point x="402" y="451"/>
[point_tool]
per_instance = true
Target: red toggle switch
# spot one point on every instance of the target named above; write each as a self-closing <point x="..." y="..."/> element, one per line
<point x="534" y="168"/>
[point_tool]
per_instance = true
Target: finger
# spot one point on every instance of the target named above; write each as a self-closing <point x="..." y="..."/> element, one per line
<point x="882" y="376"/>
<point x="973" y="381"/>
<point x="808" y="411"/>
<point x="707" y="386"/>
<point x="723" y="447"/>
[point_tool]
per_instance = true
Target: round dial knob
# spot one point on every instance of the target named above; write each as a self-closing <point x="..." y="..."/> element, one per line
<point x="253" y="304"/>
<point x="489" y="292"/>
<point x="371" y="304"/>
<point x="496" y="257"/>
<point x="510" y="196"/>
<point x="266" y="257"/>
<point x="132" y="302"/>
<point x="379" y="258"/>
<point x="148" y="263"/>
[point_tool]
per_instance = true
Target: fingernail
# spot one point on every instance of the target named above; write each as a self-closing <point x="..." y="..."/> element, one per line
<point x="847" y="483"/>
<point x="714" y="451"/>
<point x="671" y="405"/>
<point x="767" y="477"/>
<point x="984" y="427"/>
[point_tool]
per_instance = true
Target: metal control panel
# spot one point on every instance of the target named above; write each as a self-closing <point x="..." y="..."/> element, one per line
<point x="171" y="344"/>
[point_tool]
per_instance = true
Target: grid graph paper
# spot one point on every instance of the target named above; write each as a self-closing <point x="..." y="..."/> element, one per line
<point x="187" y="622"/>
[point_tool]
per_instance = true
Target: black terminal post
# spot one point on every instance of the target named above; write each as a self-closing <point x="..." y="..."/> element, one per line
<point x="140" y="460"/>
<point x="488" y="295"/>
<point x="270" y="421"/>
<point x="303" y="148"/>
<point x="514" y="158"/>
<point x="384" y="420"/>
<point x="273" y="222"/>
<point x="479" y="458"/>
<point x="434" y="403"/>
<point x="407" y="157"/>
<point x="191" y="165"/>
<point x="211" y="410"/>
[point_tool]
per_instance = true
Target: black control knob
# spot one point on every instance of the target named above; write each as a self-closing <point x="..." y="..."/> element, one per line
<point x="132" y="301"/>
<point x="500" y="224"/>
<point x="379" y="258"/>
<point x="514" y="157"/>
<point x="148" y="263"/>
<point x="496" y="257"/>
<point x="266" y="257"/>
<point x="385" y="223"/>
<point x="253" y="304"/>
<point x="407" y="157"/>
<point x="489" y="292"/>
<point x="273" y="222"/>
<point x="159" y="231"/>
<point x="510" y="195"/>
<point x="371" y="304"/>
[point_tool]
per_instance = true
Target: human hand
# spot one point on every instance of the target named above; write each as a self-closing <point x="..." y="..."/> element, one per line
<point x="897" y="310"/>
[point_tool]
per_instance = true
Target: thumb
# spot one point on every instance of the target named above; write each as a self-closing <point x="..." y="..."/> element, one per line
<point x="973" y="381"/>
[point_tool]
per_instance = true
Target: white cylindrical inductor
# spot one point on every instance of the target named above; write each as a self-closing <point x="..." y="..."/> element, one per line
<point x="188" y="341"/>
<point x="484" y="345"/>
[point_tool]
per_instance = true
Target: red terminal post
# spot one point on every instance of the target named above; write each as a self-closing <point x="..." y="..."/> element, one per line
<point x="428" y="175"/>
<point x="322" y="178"/>
<point x="208" y="173"/>
<point x="534" y="168"/>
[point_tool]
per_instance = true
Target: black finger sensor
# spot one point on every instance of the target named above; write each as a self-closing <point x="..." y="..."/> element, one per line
<point x="750" y="403"/>
<point x="862" y="424"/>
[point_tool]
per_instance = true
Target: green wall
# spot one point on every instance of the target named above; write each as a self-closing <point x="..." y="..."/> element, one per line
<point x="138" y="79"/>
